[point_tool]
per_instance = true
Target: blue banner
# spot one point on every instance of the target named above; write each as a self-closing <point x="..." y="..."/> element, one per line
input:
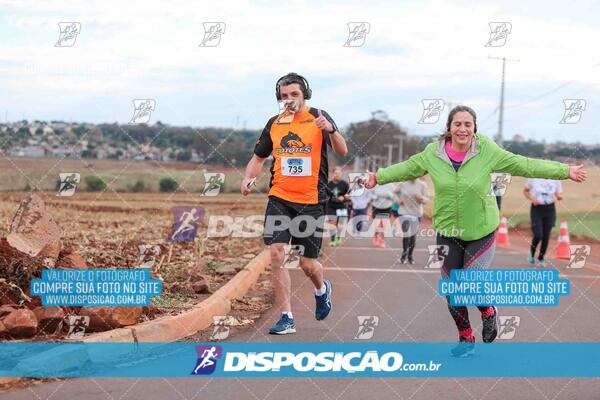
<point x="96" y="287"/>
<point x="504" y="287"/>
<point x="268" y="360"/>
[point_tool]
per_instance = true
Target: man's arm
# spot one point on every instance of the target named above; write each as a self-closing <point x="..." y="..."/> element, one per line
<point x="262" y="150"/>
<point x="252" y="170"/>
<point x="326" y="124"/>
<point x="338" y="144"/>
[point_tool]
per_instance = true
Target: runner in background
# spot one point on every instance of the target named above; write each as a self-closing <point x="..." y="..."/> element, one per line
<point x="498" y="194"/>
<point x="542" y="193"/>
<point x="412" y="196"/>
<point x="382" y="199"/>
<point x="359" y="197"/>
<point x="336" y="205"/>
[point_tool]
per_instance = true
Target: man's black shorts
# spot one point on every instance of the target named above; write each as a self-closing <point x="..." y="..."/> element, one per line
<point x="299" y="230"/>
<point x="382" y="212"/>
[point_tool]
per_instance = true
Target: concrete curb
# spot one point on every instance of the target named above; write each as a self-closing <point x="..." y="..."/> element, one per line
<point x="167" y="329"/>
<point x="172" y="328"/>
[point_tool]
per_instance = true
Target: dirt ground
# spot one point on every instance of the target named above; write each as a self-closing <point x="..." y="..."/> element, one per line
<point x="107" y="228"/>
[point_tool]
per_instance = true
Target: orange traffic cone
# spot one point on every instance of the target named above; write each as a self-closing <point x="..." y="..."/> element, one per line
<point x="562" y="250"/>
<point x="502" y="236"/>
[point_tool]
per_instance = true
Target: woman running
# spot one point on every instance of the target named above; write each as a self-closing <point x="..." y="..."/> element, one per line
<point x="460" y="162"/>
<point x="382" y="199"/>
<point x="542" y="193"/>
<point x="412" y="196"/>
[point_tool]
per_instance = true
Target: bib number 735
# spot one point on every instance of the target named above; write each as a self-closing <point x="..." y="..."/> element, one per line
<point x="296" y="166"/>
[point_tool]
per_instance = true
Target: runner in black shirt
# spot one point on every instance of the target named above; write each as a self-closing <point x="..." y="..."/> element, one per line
<point x="336" y="205"/>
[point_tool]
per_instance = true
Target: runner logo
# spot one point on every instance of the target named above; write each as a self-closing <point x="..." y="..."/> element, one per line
<point x="148" y="255"/>
<point x="212" y="34"/>
<point x="499" y="184"/>
<point x="366" y="326"/>
<point x="77" y="326"/>
<point x="574" y="108"/>
<point x="498" y="34"/>
<point x="220" y="330"/>
<point x="186" y="222"/>
<point x="357" y="34"/>
<point x="292" y="253"/>
<point x="432" y="109"/>
<point x="437" y="254"/>
<point x="357" y="184"/>
<point x="207" y="359"/>
<point x="508" y="326"/>
<point x="68" y="34"/>
<point x="67" y="184"/>
<point x="142" y="110"/>
<point x="213" y="181"/>
<point x="579" y="253"/>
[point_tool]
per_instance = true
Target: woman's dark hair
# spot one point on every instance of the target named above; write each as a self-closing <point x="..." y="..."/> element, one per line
<point x="458" y="109"/>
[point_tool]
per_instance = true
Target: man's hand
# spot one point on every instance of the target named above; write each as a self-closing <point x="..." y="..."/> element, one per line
<point x="577" y="173"/>
<point x="536" y="202"/>
<point x="419" y="198"/>
<point x="323" y="123"/>
<point x="247" y="183"/>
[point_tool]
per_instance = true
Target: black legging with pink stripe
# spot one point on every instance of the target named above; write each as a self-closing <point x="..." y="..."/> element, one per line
<point x="476" y="254"/>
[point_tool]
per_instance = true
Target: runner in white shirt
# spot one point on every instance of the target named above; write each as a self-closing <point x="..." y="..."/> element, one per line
<point x="412" y="196"/>
<point x="382" y="199"/>
<point x="542" y="193"/>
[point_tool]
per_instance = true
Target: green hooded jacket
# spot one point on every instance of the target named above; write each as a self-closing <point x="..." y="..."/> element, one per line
<point x="463" y="205"/>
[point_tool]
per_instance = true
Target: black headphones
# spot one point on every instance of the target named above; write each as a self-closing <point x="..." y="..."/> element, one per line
<point x="306" y="90"/>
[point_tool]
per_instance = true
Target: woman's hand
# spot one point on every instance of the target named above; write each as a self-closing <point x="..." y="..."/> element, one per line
<point x="371" y="180"/>
<point x="577" y="173"/>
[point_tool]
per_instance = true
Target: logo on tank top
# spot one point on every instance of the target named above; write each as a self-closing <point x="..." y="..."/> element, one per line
<point x="292" y="143"/>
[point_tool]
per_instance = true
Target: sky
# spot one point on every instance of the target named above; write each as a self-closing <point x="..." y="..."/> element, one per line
<point x="414" y="50"/>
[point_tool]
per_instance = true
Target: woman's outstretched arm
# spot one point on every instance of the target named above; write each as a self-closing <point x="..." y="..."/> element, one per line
<point x="514" y="164"/>
<point x="414" y="167"/>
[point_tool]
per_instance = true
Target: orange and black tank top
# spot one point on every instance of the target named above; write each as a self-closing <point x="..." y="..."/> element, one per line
<point x="299" y="169"/>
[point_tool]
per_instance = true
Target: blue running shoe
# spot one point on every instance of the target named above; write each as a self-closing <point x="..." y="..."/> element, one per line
<point x="465" y="348"/>
<point x="284" y="326"/>
<point x="323" y="302"/>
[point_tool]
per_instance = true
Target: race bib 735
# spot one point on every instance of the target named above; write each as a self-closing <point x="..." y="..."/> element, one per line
<point x="296" y="166"/>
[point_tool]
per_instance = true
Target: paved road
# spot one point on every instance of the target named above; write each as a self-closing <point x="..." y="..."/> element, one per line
<point x="367" y="282"/>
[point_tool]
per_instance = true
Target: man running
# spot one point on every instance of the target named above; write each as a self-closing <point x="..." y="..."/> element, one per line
<point x="460" y="162"/>
<point x="297" y="139"/>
